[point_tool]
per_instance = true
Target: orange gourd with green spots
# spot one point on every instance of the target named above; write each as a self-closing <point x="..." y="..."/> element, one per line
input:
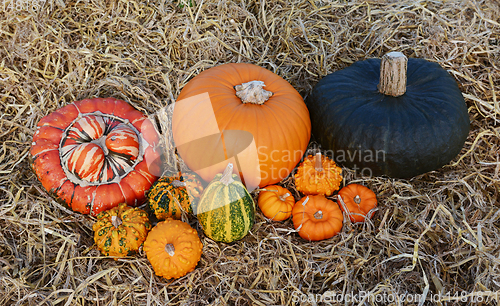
<point x="121" y="230"/>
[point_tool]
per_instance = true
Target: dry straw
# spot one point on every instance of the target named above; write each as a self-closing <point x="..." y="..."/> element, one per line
<point x="435" y="233"/>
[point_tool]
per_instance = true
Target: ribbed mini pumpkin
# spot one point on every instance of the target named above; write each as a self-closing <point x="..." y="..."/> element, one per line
<point x="173" y="248"/>
<point x="276" y="202"/>
<point x="169" y="196"/>
<point x="318" y="174"/>
<point x="226" y="210"/>
<point x="357" y="201"/>
<point x="121" y="230"/>
<point x="317" y="218"/>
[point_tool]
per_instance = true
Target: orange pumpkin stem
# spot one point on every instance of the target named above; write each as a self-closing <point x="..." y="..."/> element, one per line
<point x="227" y="175"/>
<point x="170" y="249"/>
<point x="253" y="92"/>
<point x="318" y="214"/>
<point x="116" y="221"/>
<point x="357" y="199"/>
<point x="283" y="197"/>
<point x="318" y="164"/>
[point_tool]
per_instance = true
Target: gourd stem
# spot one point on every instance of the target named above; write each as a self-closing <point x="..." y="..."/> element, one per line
<point x="357" y="199"/>
<point x="170" y="249"/>
<point x="253" y="92"/>
<point x="318" y="164"/>
<point x="264" y="189"/>
<point x="177" y="184"/>
<point x="318" y="214"/>
<point x="283" y="197"/>
<point x="116" y="221"/>
<point x="227" y="175"/>
<point x="101" y="142"/>
<point x="393" y="68"/>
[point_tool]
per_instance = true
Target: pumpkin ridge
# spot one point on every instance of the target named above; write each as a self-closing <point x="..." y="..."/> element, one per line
<point x="235" y="213"/>
<point x="94" y="193"/>
<point x="228" y="220"/>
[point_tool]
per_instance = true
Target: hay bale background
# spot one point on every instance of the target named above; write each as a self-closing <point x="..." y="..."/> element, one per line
<point x="437" y="232"/>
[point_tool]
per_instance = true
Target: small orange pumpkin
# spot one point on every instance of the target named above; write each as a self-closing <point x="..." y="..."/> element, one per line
<point x="317" y="218"/>
<point x="276" y="203"/>
<point x="318" y="175"/>
<point x="173" y="248"/>
<point x="358" y="200"/>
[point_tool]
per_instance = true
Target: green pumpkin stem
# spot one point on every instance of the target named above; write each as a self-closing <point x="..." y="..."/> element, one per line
<point x="253" y="92"/>
<point x="170" y="249"/>
<point x="227" y="175"/>
<point x="318" y="164"/>
<point x="393" y="68"/>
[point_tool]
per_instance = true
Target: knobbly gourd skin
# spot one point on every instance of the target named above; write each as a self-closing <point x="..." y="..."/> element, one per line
<point x="121" y="230"/>
<point x="170" y="195"/>
<point x="318" y="174"/>
<point x="226" y="212"/>
<point x="400" y="137"/>
<point x="173" y="248"/>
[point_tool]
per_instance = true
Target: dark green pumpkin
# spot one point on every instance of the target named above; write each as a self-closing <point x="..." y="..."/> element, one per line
<point x="377" y="134"/>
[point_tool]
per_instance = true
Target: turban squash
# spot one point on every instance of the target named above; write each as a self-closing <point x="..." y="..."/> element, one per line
<point x="396" y="117"/>
<point x="243" y="114"/>
<point x="96" y="153"/>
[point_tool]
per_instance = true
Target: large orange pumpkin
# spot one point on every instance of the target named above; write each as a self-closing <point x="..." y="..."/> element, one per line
<point x="96" y="153"/>
<point x="245" y="114"/>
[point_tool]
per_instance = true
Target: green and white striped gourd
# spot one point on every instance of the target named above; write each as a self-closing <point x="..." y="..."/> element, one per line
<point x="226" y="210"/>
